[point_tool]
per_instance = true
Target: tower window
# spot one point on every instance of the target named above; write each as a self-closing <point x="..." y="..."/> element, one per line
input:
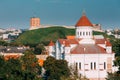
<point x="86" y="33"/>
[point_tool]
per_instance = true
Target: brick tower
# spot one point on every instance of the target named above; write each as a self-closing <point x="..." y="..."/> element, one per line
<point x="34" y="23"/>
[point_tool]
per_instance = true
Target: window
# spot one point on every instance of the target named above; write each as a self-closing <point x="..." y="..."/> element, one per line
<point x="76" y="65"/>
<point x="94" y="65"/>
<point x="89" y="33"/>
<point x="104" y="65"/>
<point x="91" y="66"/>
<point x="79" y="65"/>
<point x="86" y="33"/>
<point x="83" y="33"/>
<point x="80" y="33"/>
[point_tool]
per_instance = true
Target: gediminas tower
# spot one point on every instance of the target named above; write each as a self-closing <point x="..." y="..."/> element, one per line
<point x="34" y="23"/>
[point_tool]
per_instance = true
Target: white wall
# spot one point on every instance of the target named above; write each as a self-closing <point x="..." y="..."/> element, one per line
<point x="84" y="32"/>
<point x="86" y="59"/>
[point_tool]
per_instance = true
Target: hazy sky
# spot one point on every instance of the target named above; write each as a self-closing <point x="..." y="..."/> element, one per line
<point x="17" y="13"/>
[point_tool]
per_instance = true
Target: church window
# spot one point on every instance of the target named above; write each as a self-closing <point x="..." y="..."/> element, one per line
<point x="94" y="65"/>
<point x="91" y="66"/>
<point x="79" y="65"/>
<point x="76" y="65"/>
<point x="86" y="33"/>
<point x="104" y="65"/>
<point x="80" y="33"/>
<point x="89" y="33"/>
<point x="83" y="33"/>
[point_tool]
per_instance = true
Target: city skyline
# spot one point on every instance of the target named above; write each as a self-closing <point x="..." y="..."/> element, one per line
<point x="17" y="13"/>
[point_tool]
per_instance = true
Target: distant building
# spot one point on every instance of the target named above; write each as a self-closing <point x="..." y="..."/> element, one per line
<point x="2" y="30"/>
<point x="34" y="23"/>
<point x="90" y="55"/>
<point x="12" y="52"/>
<point x="97" y="27"/>
<point x="10" y="35"/>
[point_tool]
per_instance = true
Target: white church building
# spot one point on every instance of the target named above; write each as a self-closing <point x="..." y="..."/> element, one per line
<point x="90" y="54"/>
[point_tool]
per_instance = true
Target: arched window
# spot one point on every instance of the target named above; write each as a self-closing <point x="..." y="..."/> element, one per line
<point x="89" y="33"/>
<point x="91" y="66"/>
<point x="80" y="33"/>
<point x="83" y="33"/>
<point x="79" y="65"/>
<point x="104" y="65"/>
<point x="76" y="65"/>
<point x="94" y="65"/>
<point x="77" y="33"/>
<point x="86" y="33"/>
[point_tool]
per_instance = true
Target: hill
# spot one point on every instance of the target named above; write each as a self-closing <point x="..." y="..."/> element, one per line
<point x="44" y="35"/>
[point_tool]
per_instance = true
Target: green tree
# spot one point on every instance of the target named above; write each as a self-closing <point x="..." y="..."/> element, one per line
<point x="39" y="49"/>
<point x="2" y="67"/>
<point x="115" y="75"/>
<point x="12" y="69"/>
<point x="116" y="46"/>
<point x="24" y="68"/>
<point x="3" y="43"/>
<point x="30" y="66"/>
<point x="55" y="69"/>
<point x="117" y="63"/>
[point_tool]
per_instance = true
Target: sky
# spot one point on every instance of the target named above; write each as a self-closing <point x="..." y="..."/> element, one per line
<point x="17" y="13"/>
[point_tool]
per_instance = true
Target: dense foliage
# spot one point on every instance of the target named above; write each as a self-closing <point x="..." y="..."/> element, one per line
<point x="44" y="35"/>
<point x="56" y="69"/>
<point x="116" y="46"/>
<point x="24" y="68"/>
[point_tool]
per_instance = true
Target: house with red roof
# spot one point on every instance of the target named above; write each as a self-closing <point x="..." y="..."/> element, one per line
<point x="91" y="55"/>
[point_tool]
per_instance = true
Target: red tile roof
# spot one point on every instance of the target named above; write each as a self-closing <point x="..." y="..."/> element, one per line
<point x="87" y="49"/>
<point x="67" y="44"/>
<point x="70" y="37"/>
<point x="68" y="41"/>
<point x="7" y="57"/>
<point x="103" y="41"/>
<point x="108" y="43"/>
<point x="51" y="43"/>
<point x="100" y="41"/>
<point x="83" y="21"/>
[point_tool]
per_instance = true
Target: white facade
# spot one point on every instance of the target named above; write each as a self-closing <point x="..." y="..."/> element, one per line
<point x="84" y="32"/>
<point x="90" y="56"/>
<point x="92" y="66"/>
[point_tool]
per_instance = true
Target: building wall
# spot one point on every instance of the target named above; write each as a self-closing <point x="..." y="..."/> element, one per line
<point x="84" y="32"/>
<point x="101" y="64"/>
